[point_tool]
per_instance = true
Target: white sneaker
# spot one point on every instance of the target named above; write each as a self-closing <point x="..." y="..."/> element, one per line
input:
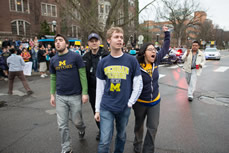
<point x="42" y="76"/>
<point x="45" y="75"/>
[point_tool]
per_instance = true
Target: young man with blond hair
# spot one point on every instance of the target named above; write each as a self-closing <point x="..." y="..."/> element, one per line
<point x="119" y="84"/>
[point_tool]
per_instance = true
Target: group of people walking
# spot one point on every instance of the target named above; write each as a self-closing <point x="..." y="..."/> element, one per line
<point x="113" y="82"/>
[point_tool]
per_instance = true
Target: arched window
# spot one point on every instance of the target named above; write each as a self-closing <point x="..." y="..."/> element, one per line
<point x="20" y="27"/>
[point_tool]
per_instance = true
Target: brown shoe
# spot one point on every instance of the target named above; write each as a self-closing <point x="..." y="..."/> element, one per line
<point x="30" y="92"/>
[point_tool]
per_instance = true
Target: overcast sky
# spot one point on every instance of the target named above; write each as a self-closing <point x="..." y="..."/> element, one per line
<point x="217" y="11"/>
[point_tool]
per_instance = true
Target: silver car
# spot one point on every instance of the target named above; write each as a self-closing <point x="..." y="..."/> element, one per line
<point x="212" y="53"/>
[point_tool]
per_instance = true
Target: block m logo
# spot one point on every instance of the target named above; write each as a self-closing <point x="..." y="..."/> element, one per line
<point x="62" y="63"/>
<point x="115" y="87"/>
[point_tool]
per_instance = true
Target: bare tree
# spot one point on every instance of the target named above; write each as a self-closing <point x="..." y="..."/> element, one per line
<point x="180" y="13"/>
<point x="219" y="37"/>
<point x="206" y="31"/>
<point x="90" y="21"/>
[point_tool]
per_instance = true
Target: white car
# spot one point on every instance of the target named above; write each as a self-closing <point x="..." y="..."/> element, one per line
<point x="212" y="53"/>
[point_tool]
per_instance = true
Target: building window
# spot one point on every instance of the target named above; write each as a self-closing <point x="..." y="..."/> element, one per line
<point x="75" y="31"/>
<point x="20" y="27"/>
<point x="120" y="18"/>
<point x="19" y="6"/>
<point x="12" y="5"/>
<point x="43" y="9"/>
<point x="107" y="9"/>
<point x="75" y="14"/>
<point x="54" y="11"/>
<point x="48" y="10"/>
<point x="14" y="28"/>
<point x="26" y="4"/>
<point x="101" y="8"/>
<point x="132" y="3"/>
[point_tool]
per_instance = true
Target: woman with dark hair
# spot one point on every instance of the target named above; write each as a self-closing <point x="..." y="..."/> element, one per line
<point x="148" y="103"/>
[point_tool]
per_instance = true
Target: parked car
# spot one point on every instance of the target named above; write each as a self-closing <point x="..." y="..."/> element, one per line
<point x="169" y="58"/>
<point x="212" y="53"/>
<point x="174" y="56"/>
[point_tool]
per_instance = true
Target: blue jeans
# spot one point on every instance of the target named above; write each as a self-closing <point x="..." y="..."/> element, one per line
<point x="107" y="127"/>
<point x="65" y="106"/>
<point x="35" y="65"/>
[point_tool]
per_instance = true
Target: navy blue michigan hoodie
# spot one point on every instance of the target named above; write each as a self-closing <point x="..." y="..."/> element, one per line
<point x="150" y="84"/>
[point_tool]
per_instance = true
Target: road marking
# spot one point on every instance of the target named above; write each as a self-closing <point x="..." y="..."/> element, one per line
<point x="173" y="67"/>
<point x="51" y="111"/>
<point x="161" y="76"/>
<point x="221" y="69"/>
<point x="224" y="56"/>
<point x="15" y="92"/>
<point x="3" y="94"/>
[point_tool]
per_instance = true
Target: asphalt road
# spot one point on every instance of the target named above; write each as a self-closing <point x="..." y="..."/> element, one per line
<point x="28" y="123"/>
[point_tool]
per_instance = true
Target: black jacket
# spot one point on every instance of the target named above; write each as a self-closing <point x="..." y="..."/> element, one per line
<point x="40" y="56"/>
<point x="91" y="61"/>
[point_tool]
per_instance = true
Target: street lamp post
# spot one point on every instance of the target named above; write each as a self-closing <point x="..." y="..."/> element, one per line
<point x="54" y="26"/>
<point x="158" y="37"/>
<point x="188" y="42"/>
<point x="131" y="40"/>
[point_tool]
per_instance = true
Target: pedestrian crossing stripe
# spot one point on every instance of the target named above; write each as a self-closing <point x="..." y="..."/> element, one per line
<point x="161" y="76"/>
<point x="181" y="65"/>
<point x="221" y="69"/>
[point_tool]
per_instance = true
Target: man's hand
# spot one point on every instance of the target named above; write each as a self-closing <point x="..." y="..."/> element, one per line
<point x="84" y="98"/>
<point x="165" y="28"/>
<point x="52" y="100"/>
<point x="188" y="51"/>
<point x="97" y="116"/>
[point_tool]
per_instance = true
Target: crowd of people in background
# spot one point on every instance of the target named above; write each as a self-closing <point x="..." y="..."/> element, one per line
<point x="32" y="51"/>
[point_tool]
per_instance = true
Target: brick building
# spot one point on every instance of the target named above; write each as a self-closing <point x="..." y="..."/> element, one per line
<point x="22" y="18"/>
<point x="154" y="28"/>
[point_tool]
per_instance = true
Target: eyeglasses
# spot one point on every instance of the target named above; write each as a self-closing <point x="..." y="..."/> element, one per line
<point x="151" y="50"/>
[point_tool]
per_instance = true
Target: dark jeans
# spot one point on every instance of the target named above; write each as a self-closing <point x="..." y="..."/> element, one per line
<point x="92" y="93"/>
<point x="47" y="63"/>
<point x="152" y="113"/>
<point x="21" y="76"/>
<point x="2" y="74"/>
